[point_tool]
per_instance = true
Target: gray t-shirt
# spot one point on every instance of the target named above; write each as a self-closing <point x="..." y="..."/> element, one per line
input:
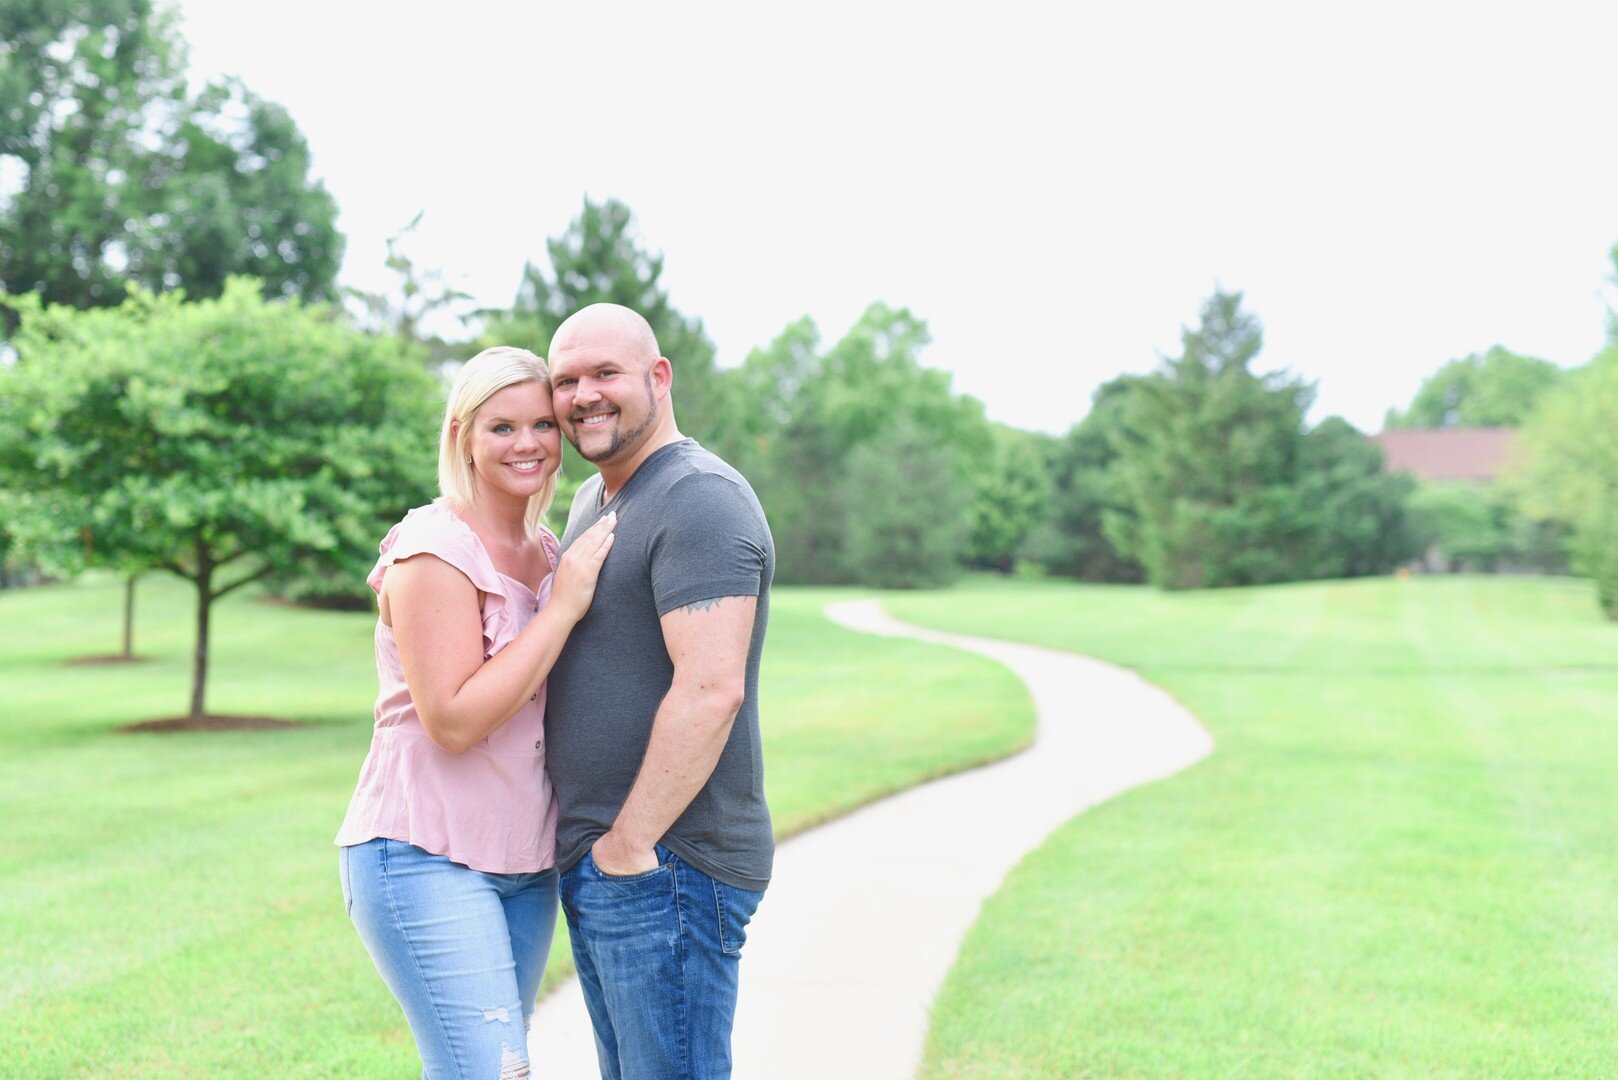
<point x="689" y="529"/>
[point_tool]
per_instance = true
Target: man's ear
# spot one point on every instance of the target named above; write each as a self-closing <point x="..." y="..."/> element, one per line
<point x="662" y="376"/>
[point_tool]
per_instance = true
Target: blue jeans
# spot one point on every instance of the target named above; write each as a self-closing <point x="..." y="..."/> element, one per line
<point x="462" y="950"/>
<point x="658" y="955"/>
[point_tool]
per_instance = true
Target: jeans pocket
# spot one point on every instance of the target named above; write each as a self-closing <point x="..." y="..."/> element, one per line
<point x="735" y="909"/>
<point x="662" y="866"/>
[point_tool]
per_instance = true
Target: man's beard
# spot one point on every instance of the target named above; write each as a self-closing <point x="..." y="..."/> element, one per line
<point x="623" y="440"/>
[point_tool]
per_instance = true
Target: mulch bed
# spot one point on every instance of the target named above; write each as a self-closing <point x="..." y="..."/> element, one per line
<point x="212" y="723"/>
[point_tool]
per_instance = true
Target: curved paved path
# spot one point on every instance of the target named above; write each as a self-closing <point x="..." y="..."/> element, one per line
<point x="866" y="913"/>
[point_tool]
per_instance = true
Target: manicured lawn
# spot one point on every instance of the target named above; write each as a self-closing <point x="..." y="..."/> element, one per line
<point x="170" y="902"/>
<point x="1400" y="860"/>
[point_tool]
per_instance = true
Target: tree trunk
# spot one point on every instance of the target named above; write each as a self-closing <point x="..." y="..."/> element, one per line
<point x="199" y="667"/>
<point x="129" y="617"/>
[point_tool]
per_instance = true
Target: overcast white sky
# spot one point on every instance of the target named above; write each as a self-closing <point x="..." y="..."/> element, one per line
<point x="1054" y="188"/>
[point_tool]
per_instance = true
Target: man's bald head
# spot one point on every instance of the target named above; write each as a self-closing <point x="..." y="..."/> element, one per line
<point x="608" y="326"/>
<point x="611" y="389"/>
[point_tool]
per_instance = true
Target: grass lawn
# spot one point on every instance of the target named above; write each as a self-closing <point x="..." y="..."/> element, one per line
<point x="1401" y="859"/>
<point x="170" y="901"/>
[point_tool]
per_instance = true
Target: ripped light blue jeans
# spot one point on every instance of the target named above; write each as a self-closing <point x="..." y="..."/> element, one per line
<point x="462" y="951"/>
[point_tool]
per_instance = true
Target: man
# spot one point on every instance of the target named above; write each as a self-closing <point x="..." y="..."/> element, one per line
<point x="652" y="737"/>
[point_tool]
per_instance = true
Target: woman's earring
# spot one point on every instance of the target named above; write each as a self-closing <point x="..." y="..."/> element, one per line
<point x="469" y="459"/>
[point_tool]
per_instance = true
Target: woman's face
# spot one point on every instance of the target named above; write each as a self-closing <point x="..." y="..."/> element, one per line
<point x="514" y="443"/>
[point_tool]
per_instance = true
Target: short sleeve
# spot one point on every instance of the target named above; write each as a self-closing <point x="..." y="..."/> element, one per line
<point x="552" y="547"/>
<point x="434" y="530"/>
<point x="711" y="540"/>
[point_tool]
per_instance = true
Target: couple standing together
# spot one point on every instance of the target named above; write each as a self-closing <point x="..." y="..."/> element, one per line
<point x="570" y="723"/>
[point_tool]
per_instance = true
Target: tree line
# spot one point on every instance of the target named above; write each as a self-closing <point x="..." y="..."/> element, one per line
<point x="186" y="395"/>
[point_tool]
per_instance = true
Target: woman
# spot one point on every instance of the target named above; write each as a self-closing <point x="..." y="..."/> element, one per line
<point x="448" y="847"/>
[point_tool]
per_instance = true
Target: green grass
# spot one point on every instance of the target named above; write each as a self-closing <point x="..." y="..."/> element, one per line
<point x="1401" y="859"/>
<point x="170" y="902"/>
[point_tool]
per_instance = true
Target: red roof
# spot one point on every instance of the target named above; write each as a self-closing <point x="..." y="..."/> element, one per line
<point x="1447" y="453"/>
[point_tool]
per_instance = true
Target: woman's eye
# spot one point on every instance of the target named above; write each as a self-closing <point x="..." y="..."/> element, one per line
<point x="544" y="425"/>
<point x="502" y="429"/>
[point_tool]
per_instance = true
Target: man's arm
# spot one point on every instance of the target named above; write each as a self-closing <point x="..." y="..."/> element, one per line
<point x="708" y="641"/>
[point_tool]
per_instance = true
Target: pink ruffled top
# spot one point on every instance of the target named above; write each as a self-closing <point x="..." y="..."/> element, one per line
<point x="491" y="808"/>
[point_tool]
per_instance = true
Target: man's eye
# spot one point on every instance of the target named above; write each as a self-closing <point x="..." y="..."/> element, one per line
<point x="564" y="382"/>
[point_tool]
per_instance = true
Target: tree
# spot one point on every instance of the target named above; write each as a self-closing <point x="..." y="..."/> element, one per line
<point x="37" y="533"/>
<point x="224" y="440"/>
<point x="599" y="259"/>
<point x="82" y="82"/>
<point x="767" y="433"/>
<point x="1010" y="497"/>
<point x="1086" y="490"/>
<point x="1206" y="454"/>
<point x="236" y="198"/>
<point x="904" y="521"/>
<point x="1567" y="472"/>
<point x="831" y="439"/>
<point x="1457" y="523"/>
<point x="120" y="177"/>
<point x="1358" y="511"/>
<point x="1223" y="487"/>
<point x="1497" y="388"/>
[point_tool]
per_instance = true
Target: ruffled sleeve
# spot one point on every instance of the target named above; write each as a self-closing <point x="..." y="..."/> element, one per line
<point x="434" y="530"/>
<point x="552" y="546"/>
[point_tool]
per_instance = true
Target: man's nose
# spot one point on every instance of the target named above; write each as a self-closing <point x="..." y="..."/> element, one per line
<point x="584" y="393"/>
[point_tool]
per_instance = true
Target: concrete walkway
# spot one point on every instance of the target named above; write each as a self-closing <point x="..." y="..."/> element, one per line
<point x="866" y="913"/>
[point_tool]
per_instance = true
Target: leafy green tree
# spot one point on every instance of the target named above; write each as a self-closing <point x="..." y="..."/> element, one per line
<point x="1222" y="485"/>
<point x="1458" y="524"/>
<point x="1356" y="511"/>
<point x="1497" y="388"/>
<point x="830" y="439"/>
<point x="37" y="537"/>
<point x="121" y="177"/>
<point x="1481" y="528"/>
<point x="234" y="197"/>
<point x="768" y="432"/>
<point x="871" y="387"/>
<point x="599" y="259"/>
<point x="224" y="441"/>
<point x="1207" y="451"/>
<point x="1086" y="489"/>
<point x="82" y="82"/>
<point x="904" y="519"/>
<point x="1011" y="497"/>
<point x="1568" y="470"/>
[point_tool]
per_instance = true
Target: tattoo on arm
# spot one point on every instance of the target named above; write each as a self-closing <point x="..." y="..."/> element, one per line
<point x="703" y="605"/>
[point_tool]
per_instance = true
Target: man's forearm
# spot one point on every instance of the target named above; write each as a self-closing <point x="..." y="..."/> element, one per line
<point x="688" y="735"/>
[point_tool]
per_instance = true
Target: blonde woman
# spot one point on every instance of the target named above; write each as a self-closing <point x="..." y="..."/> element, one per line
<point x="448" y="847"/>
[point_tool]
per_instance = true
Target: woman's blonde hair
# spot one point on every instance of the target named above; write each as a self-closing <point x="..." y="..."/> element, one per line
<point x="479" y="379"/>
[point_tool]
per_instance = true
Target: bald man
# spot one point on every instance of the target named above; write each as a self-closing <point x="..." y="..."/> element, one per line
<point x="651" y="725"/>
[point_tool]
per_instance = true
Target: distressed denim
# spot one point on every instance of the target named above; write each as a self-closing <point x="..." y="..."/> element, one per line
<point x="658" y="955"/>
<point x="462" y="951"/>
